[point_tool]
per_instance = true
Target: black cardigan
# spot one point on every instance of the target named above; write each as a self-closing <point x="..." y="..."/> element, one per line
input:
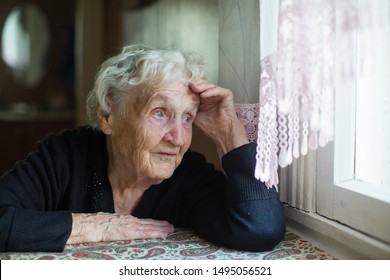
<point x="68" y="174"/>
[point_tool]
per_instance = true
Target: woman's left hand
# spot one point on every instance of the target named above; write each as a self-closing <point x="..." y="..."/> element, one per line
<point x="217" y="117"/>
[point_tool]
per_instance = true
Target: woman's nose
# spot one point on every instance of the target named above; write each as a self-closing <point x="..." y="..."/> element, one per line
<point x="175" y="135"/>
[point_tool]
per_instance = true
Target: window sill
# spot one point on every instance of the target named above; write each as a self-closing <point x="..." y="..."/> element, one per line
<point x="336" y="239"/>
<point x="379" y="193"/>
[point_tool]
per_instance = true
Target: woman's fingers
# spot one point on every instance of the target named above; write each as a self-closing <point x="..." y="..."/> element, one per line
<point x="201" y="87"/>
<point x="210" y="91"/>
<point x="149" y="228"/>
<point x="134" y="228"/>
<point x="111" y="227"/>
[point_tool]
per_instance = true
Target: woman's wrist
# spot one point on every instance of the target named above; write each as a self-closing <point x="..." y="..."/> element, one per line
<point x="231" y="137"/>
<point x="86" y="228"/>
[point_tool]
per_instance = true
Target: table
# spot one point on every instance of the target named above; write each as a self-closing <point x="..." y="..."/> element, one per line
<point x="182" y="244"/>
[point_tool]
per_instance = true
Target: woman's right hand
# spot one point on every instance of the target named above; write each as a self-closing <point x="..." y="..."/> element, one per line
<point x="111" y="227"/>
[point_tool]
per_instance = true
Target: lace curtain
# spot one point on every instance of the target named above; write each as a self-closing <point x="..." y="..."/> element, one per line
<point x="297" y="76"/>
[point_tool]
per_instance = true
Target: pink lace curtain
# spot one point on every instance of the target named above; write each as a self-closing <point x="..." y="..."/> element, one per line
<point x="295" y="112"/>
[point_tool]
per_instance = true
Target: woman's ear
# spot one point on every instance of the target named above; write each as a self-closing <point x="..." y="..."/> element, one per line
<point x="105" y="121"/>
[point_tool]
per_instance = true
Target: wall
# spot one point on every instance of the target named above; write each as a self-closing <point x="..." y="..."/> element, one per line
<point x="190" y="25"/>
<point x="239" y="48"/>
<point x="89" y="50"/>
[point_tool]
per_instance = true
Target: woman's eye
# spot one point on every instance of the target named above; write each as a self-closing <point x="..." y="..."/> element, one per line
<point x="187" y="119"/>
<point x="158" y="114"/>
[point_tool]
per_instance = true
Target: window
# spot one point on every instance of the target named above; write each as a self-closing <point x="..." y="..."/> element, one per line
<point x="373" y="114"/>
<point x="354" y="172"/>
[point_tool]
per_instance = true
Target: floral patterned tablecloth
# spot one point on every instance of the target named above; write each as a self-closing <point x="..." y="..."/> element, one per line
<point x="182" y="244"/>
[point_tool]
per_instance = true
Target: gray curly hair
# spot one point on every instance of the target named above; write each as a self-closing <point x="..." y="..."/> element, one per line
<point x="121" y="76"/>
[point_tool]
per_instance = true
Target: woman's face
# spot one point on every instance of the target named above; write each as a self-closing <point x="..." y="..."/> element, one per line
<point x="156" y="133"/>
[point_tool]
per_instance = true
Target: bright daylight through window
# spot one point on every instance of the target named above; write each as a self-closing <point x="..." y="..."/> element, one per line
<point x="372" y="158"/>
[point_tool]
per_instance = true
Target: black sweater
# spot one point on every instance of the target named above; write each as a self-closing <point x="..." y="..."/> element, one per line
<point x="68" y="174"/>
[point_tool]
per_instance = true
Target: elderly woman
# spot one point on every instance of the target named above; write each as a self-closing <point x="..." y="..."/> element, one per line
<point x="130" y="173"/>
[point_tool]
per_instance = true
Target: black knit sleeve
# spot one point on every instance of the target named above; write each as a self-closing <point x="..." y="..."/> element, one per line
<point x="30" y="194"/>
<point x="235" y="210"/>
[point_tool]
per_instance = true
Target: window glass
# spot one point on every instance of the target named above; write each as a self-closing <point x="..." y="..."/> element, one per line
<point x="372" y="159"/>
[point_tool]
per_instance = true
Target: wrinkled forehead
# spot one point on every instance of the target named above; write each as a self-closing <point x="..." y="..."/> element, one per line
<point x="175" y="92"/>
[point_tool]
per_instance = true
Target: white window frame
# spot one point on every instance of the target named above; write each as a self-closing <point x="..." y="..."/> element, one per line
<point x="340" y="196"/>
<point x="350" y="218"/>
